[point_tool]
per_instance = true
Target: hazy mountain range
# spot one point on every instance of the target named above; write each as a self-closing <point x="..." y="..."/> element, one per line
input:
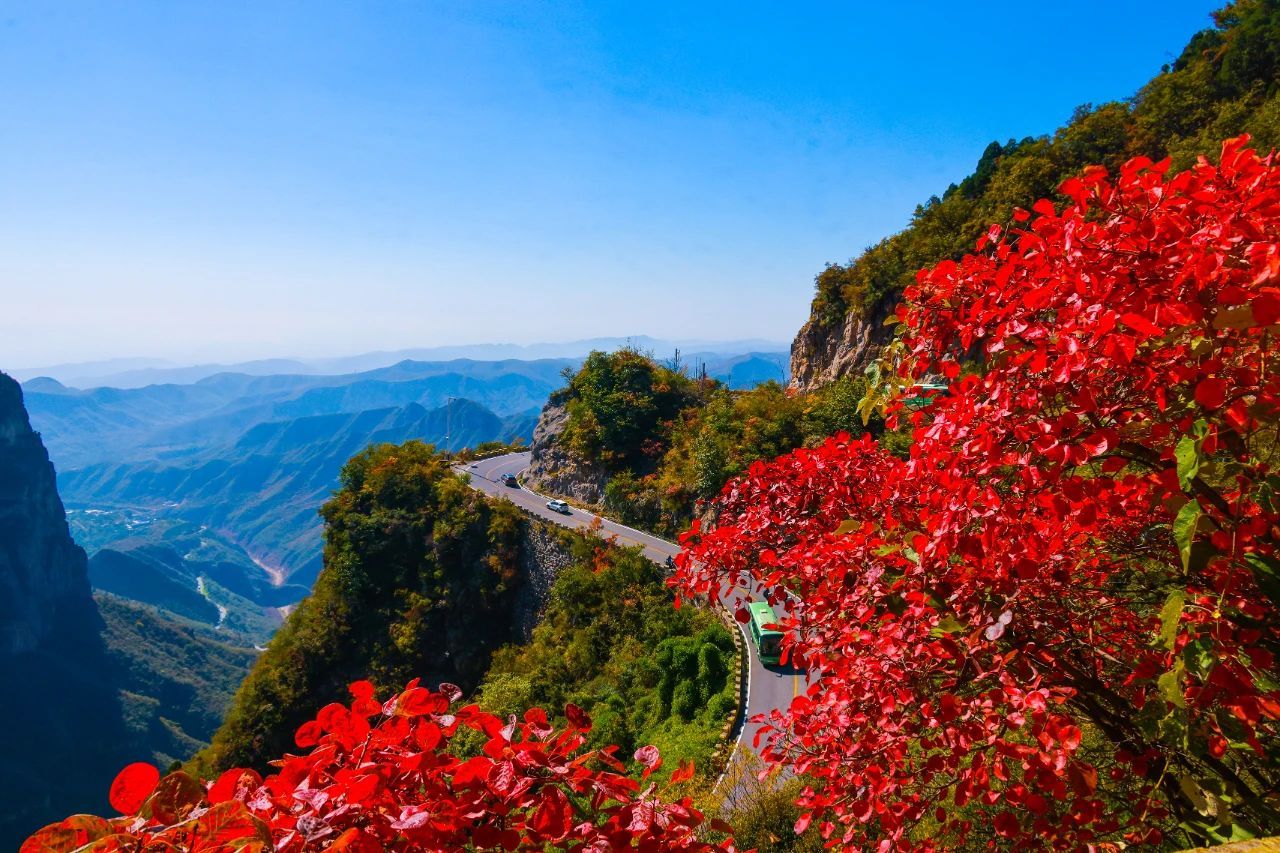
<point x="138" y="372"/>
<point x="200" y="494"/>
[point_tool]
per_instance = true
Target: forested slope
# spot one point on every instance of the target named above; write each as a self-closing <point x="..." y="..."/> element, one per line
<point x="1225" y="82"/>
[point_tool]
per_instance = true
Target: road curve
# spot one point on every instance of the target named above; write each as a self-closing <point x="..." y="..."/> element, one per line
<point x="769" y="688"/>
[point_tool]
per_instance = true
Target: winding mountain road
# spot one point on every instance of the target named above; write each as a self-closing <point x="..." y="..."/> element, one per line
<point x="769" y="687"/>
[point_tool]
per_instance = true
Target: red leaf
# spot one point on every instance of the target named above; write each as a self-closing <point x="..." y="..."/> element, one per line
<point x="418" y="701"/>
<point x="234" y="784"/>
<point x="1211" y="393"/>
<point x="1007" y="825"/>
<point x="308" y="734"/>
<point x="577" y="717"/>
<point x="1141" y="324"/>
<point x="132" y="786"/>
<point x="1266" y="309"/>
<point x="554" y="815"/>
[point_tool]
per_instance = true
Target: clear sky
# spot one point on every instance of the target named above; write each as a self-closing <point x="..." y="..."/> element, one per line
<point x="225" y="180"/>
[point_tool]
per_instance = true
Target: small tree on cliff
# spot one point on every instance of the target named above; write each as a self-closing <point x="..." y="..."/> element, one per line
<point x="1056" y="621"/>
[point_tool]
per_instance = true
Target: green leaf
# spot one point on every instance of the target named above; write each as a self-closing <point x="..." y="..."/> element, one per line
<point x="1266" y="573"/>
<point x="1268" y="493"/>
<point x="1184" y="530"/>
<point x="1188" y="455"/>
<point x="847" y="526"/>
<point x="1217" y="834"/>
<point x="1170" y="685"/>
<point x="950" y="625"/>
<point x="1198" y="657"/>
<point x="1191" y="789"/>
<point x="1169" y="616"/>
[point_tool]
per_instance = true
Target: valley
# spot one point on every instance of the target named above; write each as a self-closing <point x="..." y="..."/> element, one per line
<point x="202" y="498"/>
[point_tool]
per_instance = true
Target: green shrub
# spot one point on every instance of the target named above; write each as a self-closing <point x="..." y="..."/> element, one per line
<point x="684" y="701"/>
<point x="651" y="672"/>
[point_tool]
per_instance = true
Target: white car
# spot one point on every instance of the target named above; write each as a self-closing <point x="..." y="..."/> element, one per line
<point x="559" y="506"/>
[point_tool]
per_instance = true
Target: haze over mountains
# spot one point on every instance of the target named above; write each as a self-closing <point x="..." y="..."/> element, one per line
<point x="198" y="492"/>
<point x="139" y="372"/>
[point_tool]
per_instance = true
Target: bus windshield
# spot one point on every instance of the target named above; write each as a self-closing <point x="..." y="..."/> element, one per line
<point x="770" y="644"/>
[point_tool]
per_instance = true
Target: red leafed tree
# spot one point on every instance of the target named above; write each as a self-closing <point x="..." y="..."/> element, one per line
<point x="380" y="777"/>
<point x="1056" y="621"/>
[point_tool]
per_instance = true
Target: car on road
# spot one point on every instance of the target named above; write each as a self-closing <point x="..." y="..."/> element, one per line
<point x="509" y="480"/>
<point x="559" y="506"/>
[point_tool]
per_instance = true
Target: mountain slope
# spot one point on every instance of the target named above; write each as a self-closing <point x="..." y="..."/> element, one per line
<point x="263" y="490"/>
<point x="91" y="684"/>
<point x="169" y="421"/>
<point x="1225" y="82"/>
<point x="420" y="580"/>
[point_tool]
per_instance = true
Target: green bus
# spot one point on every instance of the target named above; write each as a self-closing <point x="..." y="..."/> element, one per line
<point x="919" y="396"/>
<point x="768" y="640"/>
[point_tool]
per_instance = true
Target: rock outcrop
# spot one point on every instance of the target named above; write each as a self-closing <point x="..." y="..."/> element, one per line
<point x="43" y="574"/>
<point x="823" y="353"/>
<point x="557" y="470"/>
<point x="544" y="554"/>
<point x="65" y="734"/>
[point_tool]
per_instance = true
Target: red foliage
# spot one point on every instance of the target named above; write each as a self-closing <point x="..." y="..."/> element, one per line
<point x="379" y="777"/>
<point x="1084" y="537"/>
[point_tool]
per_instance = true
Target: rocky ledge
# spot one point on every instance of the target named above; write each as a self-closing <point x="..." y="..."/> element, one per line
<point x="555" y="469"/>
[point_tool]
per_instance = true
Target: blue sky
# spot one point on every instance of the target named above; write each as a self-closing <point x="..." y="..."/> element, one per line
<point x="232" y="180"/>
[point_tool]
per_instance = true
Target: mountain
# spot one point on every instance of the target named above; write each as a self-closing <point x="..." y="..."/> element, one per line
<point x="92" y="683"/>
<point x="59" y="712"/>
<point x="1225" y="82"/>
<point x="250" y="459"/>
<point x="749" y="369"/>
<point x="262" y="490"/>
<point x="137" y="373"/>
<point x="421" y="579"/>
<point x="85" y="427"/>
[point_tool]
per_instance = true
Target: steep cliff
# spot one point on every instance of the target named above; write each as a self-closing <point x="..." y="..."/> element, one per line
<point x="62" y="718"/>
<point x="43" y="576"/>
<point x="824" y="352"/>
<point x="557" y="470"/>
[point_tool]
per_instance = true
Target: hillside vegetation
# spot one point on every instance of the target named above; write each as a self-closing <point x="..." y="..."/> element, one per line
<point x="175" y="678"/>
<point x="1225" y="82"/>
<point x="675" y="440"/>
<point x="418" y="580"/>
<point x="611" y="642"/>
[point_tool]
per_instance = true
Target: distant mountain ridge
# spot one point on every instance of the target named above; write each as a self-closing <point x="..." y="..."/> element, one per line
<point x="139" y="372"/>
<point x="264" y="488"/>
<point x="194" y="497"/>
<point x="83" y="427"/>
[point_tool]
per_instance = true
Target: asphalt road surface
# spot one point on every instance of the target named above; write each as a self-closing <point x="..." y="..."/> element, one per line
<point x="770" y="687"/>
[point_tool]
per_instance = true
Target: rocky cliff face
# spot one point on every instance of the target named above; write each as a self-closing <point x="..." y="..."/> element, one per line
<point x="556" y="470"/>
<point x="823" y="353"/>
<point x="43" y="574"/>
<point x="65" y="734"/>
<point x="544" y="554"/>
